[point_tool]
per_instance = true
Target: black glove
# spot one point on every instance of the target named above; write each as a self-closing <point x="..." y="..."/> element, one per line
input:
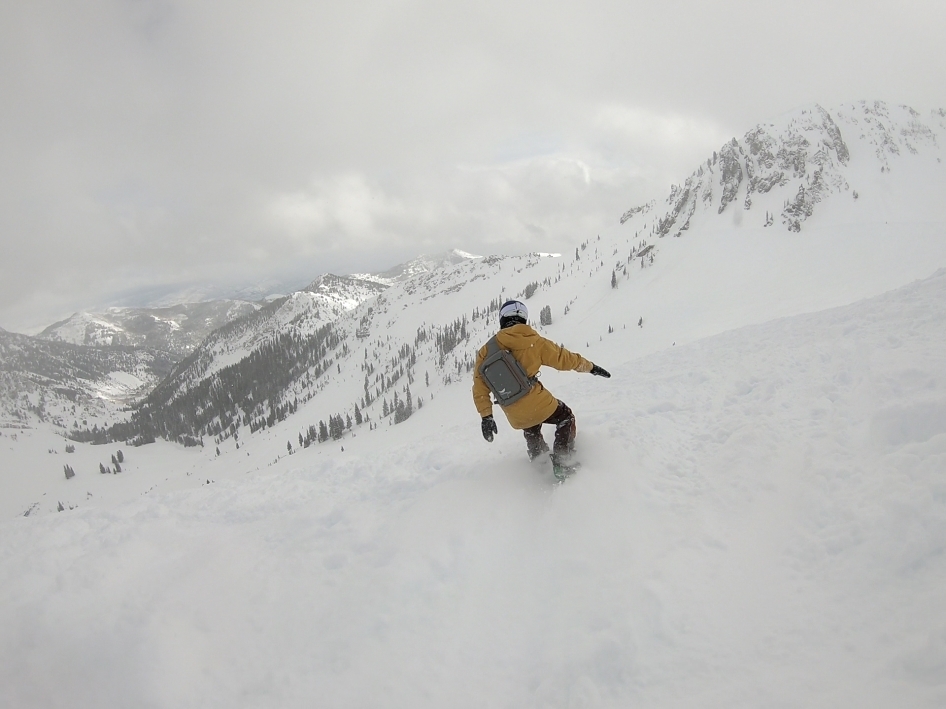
<point x="489" y="428"/>
<point x="600" y="371"/>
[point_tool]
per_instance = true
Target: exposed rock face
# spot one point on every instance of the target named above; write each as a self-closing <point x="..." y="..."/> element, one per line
<point x="680" y="198"/>
<point x="762" y="167"/>
<point x="643" y="209"/>
<point x="799" y="209"/>
<point x="804" y="155"/>
<point x="834" y="139"/>
<point x="731" y="158"/>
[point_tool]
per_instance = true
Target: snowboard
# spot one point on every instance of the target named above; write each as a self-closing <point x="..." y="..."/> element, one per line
<point x="560" y="472"/>
<point x="564" y="472"/>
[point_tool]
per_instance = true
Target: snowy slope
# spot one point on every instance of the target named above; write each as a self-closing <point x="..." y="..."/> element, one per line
<point x="759" y="522"/>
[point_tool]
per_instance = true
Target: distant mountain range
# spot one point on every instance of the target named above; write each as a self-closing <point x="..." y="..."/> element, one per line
<point x="174" y="329"/>
<point x="417" y="266"/>
<point x="112" y="357"/>
<point x="178" y="329"/>
<point x="63" y="384"/>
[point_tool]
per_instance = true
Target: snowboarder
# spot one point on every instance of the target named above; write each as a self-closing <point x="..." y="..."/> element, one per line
<point x="537" y="406"/>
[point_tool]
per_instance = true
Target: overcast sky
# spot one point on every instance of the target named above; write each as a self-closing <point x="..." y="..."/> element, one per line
<point x="153" y="144"/>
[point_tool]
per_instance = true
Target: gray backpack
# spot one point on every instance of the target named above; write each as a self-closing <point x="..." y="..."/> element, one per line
<point x="504" y="375"/>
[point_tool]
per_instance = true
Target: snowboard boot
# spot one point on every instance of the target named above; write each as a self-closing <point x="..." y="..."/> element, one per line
<point x="563" y="465"/>
<point x="535" y="443"/>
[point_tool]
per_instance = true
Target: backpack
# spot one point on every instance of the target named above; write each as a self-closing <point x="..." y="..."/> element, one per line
<point x="504" y="375"/>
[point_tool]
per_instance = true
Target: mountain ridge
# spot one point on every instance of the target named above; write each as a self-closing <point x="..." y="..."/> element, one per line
<point x="800" y="158"/>
<point x="178" y="328"/>
<point x="175" y="329"/>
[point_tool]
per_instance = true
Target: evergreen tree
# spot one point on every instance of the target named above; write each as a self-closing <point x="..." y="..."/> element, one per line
<point x="403" y="408"/>
<point x="336" y="427"/>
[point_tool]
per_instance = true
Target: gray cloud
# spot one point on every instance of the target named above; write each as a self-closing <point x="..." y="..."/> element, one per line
<point x="148" y="143"/>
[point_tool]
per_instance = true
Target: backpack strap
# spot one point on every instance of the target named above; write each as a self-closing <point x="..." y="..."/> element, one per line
<point x="492" y="347"/>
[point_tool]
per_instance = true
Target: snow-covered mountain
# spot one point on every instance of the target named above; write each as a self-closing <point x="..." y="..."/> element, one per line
<point x="779" y="173"/>
<point x="179" y="326"/>
<point x="61" y="384"/>
<point x="229" y="329"/>
<point x="176" y="329"/>
<point x="339" y="294"/>
<point x="336" y="295"/>
<point x="420" y="265"/>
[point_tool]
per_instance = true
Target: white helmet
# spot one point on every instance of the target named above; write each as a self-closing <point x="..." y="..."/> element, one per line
<point x="513" y="312"/>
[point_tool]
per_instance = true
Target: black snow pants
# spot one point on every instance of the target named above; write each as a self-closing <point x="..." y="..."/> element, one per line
<point x="564" y="421"/>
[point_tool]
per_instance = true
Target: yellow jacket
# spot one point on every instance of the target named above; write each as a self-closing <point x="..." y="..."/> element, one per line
<point x="532" y="351"/>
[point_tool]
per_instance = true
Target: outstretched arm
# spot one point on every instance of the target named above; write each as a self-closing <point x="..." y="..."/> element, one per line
<point x="557" y="357"/>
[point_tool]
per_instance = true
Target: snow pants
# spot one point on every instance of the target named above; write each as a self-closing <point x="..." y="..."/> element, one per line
<point x="564" y="421"/>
